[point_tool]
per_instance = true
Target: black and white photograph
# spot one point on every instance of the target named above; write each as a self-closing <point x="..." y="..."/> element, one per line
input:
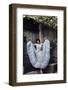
<point x="39" y="44"/>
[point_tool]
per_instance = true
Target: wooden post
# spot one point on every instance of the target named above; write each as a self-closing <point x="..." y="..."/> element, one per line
<point x="40" y="33"/>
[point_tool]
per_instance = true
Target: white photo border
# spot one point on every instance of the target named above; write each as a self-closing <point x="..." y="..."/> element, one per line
<point x="19" y="45"/>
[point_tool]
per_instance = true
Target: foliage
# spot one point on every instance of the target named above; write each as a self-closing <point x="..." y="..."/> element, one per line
<point x="49" y="20"/>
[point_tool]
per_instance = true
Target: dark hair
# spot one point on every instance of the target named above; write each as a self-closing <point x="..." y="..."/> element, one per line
<point x="37" y="40"/>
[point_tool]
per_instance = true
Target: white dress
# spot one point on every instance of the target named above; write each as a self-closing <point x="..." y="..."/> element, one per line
<point x="39" y="56"/>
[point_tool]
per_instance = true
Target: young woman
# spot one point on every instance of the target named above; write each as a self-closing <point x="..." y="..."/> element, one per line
<point x="39" y="53"/>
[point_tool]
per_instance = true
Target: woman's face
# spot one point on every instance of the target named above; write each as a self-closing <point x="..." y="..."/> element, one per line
<point x="38" y="42"/>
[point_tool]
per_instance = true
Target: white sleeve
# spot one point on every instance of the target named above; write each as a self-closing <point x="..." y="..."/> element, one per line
<point x="31" y="53"/>
<point x="45" y="54"/>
